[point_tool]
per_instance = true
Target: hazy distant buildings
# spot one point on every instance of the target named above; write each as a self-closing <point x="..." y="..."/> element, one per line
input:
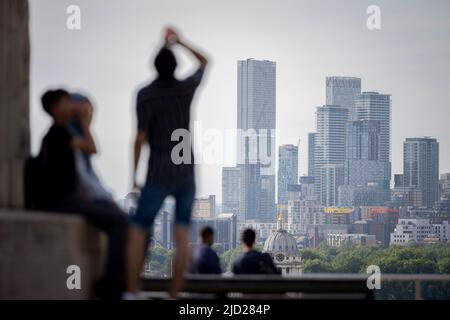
<point x="331" y="177"/>
<point x="287" y="170"/>
<point x="362" y="140"/>
<point x="338" y="239"/>
<point x="398" y="180"/>
<point x="343" y="91"/>
<point x="256" y="121"/>
<point x="225" y="230"/>
<point x="413" y="231"/>
<point x="421" y="167"/>
<point x="204" y="207"/>
<point x="363" y="195"/>
<point x="311" y="148"/>
<point x="377" y="107"/>
<point x="232" y="190"/>
<point x="329" y="148"/>
<point x="406" y="197"/>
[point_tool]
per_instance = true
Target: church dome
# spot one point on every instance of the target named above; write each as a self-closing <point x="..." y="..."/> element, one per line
<point x="281" y="241"/>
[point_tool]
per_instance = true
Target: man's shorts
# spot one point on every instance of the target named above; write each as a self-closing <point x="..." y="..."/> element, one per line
<point x="152" y="198"/>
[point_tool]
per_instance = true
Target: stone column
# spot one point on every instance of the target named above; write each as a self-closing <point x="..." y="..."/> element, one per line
<point x="14" y="99"/>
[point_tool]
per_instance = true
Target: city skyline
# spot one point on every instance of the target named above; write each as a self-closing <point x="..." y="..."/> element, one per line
<point x="389" y="60"/>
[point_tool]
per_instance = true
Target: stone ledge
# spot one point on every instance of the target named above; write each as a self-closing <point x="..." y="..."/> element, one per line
<point x="36" y="248"/>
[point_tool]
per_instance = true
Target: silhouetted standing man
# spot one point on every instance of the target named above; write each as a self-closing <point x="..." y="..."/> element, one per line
<point x="164" y="107"/>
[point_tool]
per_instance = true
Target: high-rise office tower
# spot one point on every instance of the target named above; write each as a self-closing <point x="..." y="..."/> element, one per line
<point x="362" y="165"/>
<point x="331" y="177"/>
<point x="377" y="107"/>
<point x="362" y="140"/>
<point x="329" y="139"/>
<point x="421" y="167"/>
<point x="311" y="146"/>
<point x="231" y="190"/>
<point x="342" y="91"/>
<point x="256" y="120"/>
<point x="287" y="170"/>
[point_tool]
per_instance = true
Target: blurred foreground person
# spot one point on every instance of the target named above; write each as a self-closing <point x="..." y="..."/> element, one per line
<point x="252" y="261"/>
<point x="204" y="258"/>
<point x="71" y="185"/>
<point x="163" y="110"/>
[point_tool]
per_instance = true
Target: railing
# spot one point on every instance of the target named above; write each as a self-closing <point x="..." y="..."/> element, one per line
<point x="417" y="279"/>
<point x="305" y="286"/>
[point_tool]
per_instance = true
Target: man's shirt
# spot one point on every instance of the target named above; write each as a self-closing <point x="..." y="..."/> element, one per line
<point x="205" y="261"/>
<point x="254" y="262"/>
<point x="163" y="107"/>
<point x="59" y="164"/>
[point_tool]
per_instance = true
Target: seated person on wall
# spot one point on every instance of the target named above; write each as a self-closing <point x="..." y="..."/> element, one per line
<point x="252" y="261"/>
<point x="71" y="185"/>
<point x="204" y="259"/>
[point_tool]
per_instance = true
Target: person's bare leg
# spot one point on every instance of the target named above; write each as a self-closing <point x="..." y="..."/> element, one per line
<point x="135" y="257"/>
<point x="181" y="258"/>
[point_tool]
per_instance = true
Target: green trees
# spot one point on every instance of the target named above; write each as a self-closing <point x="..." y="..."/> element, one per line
<point x="410" y="260"/>
<point x="351" y="259"/>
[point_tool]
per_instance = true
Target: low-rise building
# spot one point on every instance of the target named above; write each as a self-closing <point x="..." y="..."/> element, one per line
<point x="410" y="231"/>
<point x="338" y="239"/>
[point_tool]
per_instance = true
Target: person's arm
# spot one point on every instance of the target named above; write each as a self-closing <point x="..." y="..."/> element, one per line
<point x="85" y="144"/>
<point x="200" y="57"/>
<point x="138" y="142"/>
<point x="173" y="37"/>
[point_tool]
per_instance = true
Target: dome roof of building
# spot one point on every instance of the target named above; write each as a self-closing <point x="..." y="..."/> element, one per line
<point x="281" y="241"/>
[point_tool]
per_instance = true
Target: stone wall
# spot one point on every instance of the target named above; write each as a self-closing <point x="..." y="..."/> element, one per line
<point x="36" y="249"/>
<point x="14" y="99"/>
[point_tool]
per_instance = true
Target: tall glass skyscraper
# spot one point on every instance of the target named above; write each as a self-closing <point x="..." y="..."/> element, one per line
<point x="374" y="106"/>
<point x="362" y="140"/>
<point x="377" y="107"/>
<point x="231" y="190"/>
<point x="421" y="167"/>
<point x="329" y="139"/>
<point x="287" y="170"/>
<point x="256" y="123"/>
<point x="311" y="147"/>
<point x="343" y="91"/>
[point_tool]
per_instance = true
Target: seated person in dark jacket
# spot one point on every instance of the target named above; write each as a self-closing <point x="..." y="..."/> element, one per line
<point x="252" y="261"/>
<point x="204" y="258"/>
<point x="63" y="154"/>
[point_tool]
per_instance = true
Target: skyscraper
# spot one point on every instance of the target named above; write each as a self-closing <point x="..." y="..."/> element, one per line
<point x="287" y="170"/>
<point x="342" y="91"/>
<point x="362" y="165"/>
<point x="311" y="147"/>
<point x="256" y="120"/>
<point x="231" y="190"/>
<point x="329" y="139"/>
<point x="377" y="107"/>
<point x="421" y="167"/>
<point x="331" y="177"/>
<point x="362" y="140"/>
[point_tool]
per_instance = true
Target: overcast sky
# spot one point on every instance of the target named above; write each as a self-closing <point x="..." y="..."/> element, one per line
<point x="110" y="59"/>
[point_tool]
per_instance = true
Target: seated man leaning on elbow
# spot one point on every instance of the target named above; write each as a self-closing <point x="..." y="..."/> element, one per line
<point x="204" y="258"/>
<point x="252" y="261"/>
<point x="72" y="187"/>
